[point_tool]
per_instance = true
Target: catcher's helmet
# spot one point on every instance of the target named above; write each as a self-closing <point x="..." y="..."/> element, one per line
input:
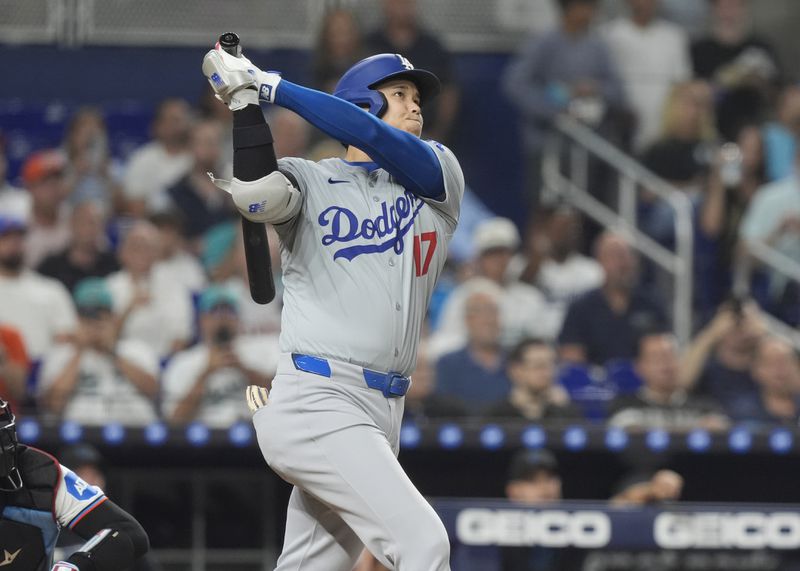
<point x="358" y="83"/>
<point x="10" y="478"/>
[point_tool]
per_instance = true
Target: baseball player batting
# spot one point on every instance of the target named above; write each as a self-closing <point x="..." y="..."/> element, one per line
<point x="363" y="241"/>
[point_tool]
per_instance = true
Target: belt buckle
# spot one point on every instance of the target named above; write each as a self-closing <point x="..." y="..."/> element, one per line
<point x="395" y="380"/>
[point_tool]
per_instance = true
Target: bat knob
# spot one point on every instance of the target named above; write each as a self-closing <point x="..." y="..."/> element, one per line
<point x="229" y="40"/>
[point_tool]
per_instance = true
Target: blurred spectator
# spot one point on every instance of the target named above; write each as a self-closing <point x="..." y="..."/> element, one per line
<point x="662" y="402"/>
<point x="736" y="174"/>
<point x="14" y="365"/>
<point x="531" y="367"/>
<point x="48" y="214"/>
<point x="780" y="135"/>
<point x="640" y="490"/>
<point x="743" y="67"/>
<point x="533" y="478"/>
<point x="604" y="324"/>
<point x="566" y="70"/>
<point x="403" y="34"/>
<point x="39" y="308"/>
<point x="150" y="306"/>
<point x="159" y="164"/>
<point x="773" y="218"/>
<point x="339" y="45"/>
<point x="524" y="310"/>
<point x="201" y="204"/>
<point x="207" y="382"/>
<point x="776" y="370"/>
<point x="651" y="55"/>
<point x="718" y="361"/>
<point x="99" y="378"/>
<point x="422" y="402"/>
<point x="87" y="253"/>
<point x="177" y="265"/>
<point x="681" y="155"/>
<point x="554" y="264"/>
<point x="475" y="373"/>
<point x="89" y="173"/>
<point x="291" y="133"/>
<point x="225" y="264"/>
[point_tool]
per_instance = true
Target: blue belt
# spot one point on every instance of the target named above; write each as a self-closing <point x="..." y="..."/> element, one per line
<point x="390" y="384"/>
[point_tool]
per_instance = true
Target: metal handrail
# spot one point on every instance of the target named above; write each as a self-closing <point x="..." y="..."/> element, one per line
<point x="633" y="179"/>
<point x="774" y="259"/>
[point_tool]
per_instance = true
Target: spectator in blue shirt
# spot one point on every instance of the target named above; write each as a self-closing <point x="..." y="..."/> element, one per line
<point x="605" y="323"/>
<point x="568" y="70"/>
<point x="776" y="370"/>
<point x="475" y="374"/>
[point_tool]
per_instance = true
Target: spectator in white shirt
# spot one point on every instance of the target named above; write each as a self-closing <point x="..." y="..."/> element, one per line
<point x="98" y="378"/>
<point x="651" y="55"/>
<point x="152" y="308"/>
<point x="207" y="382"/>
<point x="39" y="308"/>
<point x="159" y="164"/>
<point x="524" y="311"/>
<point x="555" y="265"/>
<point x="175" y="260"/>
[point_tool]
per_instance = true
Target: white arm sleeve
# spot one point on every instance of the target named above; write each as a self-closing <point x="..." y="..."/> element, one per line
<point x="75" y="498"/>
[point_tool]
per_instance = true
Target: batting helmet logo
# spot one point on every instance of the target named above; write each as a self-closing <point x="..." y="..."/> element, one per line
<point x="359" y="83"/>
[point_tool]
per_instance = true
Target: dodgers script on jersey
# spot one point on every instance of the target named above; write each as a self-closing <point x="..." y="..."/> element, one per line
<point x="360" y="261"/>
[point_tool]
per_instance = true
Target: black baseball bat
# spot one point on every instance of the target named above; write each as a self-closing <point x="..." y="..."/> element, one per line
<point x="254" y="234"/>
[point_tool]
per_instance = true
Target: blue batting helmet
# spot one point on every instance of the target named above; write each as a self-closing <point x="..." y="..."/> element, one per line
<point x="358" y="83"/>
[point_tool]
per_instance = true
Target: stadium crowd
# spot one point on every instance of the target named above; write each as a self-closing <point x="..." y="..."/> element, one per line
<point x="123" y="289"/>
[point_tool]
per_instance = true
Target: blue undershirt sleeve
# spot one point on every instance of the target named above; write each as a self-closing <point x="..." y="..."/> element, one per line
<point x="410" y="160"/>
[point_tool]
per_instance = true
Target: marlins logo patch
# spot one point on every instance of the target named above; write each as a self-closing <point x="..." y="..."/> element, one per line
<point x="9" y="557"/>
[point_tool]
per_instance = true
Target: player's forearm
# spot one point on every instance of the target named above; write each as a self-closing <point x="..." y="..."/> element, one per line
<point x="411" y="161"/>
<point x="56" y="397"/>
<point x="141" y="379"/>
<point x="188" y="405"/>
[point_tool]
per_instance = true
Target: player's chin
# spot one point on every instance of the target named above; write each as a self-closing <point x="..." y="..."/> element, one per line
<point x="413" y="127"/>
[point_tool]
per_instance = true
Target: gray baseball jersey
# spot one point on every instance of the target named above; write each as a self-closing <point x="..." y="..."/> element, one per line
<point x="360" y="261"/>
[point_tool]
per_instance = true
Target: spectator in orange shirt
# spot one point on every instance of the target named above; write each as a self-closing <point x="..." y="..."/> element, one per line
<point x="14" y="365"/>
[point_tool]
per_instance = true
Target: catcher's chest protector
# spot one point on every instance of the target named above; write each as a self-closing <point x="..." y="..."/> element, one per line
<point x="28" y="531"/>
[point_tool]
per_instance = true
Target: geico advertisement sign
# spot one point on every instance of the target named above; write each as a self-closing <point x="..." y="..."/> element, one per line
<point x="548" y="528"/>
<point x="714" y="530"/>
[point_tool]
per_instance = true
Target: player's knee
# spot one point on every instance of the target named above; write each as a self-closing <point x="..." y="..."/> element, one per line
<point x="428" y="549"/>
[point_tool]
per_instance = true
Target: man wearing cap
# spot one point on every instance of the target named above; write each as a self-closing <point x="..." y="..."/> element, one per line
<point x="523" y="309"/>
<point x="47" y="215"/>
<point x="205" y="382"/>
<point x="99" y="378"/>
<point x="39" y="308"/>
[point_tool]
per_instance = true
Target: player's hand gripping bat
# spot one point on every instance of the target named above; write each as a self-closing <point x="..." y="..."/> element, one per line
<point x="256" y="247"/>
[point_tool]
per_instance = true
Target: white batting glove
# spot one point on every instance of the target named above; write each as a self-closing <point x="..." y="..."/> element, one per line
<point x="236" y="81"/>
<point x="256" y="397"/>
<point x="64" y="566"/>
